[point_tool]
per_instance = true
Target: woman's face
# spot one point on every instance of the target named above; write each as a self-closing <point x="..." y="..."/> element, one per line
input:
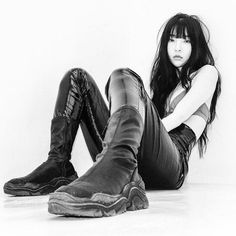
<point x="179" y="50"/>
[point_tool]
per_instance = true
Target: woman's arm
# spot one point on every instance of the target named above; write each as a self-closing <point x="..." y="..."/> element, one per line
<point x="202" y="89"/>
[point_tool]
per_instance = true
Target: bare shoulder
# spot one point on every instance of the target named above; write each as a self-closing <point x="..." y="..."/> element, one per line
<point x="207" y="74"/>
<point x="209" y="69"/>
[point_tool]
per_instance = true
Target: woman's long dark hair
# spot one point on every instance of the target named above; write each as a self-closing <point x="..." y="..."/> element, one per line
<point x="164" y="76"/>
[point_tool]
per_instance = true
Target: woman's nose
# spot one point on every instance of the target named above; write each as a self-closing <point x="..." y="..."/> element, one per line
<point x="178" y="46"/>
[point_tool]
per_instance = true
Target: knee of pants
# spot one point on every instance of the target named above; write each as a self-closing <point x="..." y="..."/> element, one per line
<point x="118" y="72"/>
<point x="76" y="77"/>
<point x="121" y="75"/>
<point x="127" y="88"/>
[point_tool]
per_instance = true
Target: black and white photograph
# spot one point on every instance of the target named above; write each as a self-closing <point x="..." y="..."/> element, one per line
<point x="117" y="117"/>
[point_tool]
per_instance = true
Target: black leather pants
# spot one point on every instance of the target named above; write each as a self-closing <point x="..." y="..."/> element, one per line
<point x="162" y="157"/>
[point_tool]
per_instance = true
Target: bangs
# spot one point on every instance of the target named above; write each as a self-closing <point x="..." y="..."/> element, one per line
<point x="182" y="29"/>
<point x="179" y="31"/>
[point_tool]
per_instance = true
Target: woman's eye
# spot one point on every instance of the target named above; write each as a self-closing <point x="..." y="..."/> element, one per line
<point x="171" y="39"/>
<point x="187" y="40"/>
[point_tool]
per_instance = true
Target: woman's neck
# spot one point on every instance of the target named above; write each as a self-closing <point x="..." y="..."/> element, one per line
<point x="178" y="74"/>
<point x="178" y="71"/>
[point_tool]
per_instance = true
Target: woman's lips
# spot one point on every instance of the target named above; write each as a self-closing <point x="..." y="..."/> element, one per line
<point x="178" y="57"/>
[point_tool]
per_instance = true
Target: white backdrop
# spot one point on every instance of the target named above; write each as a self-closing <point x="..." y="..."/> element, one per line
<point x="41" y="40"/>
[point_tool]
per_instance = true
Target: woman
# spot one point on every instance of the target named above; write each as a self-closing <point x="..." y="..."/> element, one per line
<point x="138" y="139"/>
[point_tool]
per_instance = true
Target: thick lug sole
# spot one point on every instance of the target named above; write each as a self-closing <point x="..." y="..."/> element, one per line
<point x="132" y="198"/>
<point x="43" y="189"/>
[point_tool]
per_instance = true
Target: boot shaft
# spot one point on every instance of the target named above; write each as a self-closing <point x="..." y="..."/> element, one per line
<point x="116" y="166"/>
<point x="125" y="129"/>
<point x="63" y="132"/>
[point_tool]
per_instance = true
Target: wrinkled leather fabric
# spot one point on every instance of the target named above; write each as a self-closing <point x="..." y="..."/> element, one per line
<point x="184" y="139"/>
<point x="116" y="164"/>
<point x="162" y="161"/>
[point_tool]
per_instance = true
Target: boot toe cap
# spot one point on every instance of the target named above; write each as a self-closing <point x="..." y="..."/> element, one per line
<point x="13" y="183"/>
<point x="20" y="187"/>
<point x="80" y="190"/>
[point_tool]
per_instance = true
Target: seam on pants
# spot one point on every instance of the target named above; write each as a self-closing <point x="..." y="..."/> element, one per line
<point x="89" y="109"/>
<point x="84" y="90"/>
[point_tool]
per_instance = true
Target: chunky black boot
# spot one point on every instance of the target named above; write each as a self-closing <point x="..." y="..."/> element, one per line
<point x="54" y="172"/>
<point x="112" y="185"/>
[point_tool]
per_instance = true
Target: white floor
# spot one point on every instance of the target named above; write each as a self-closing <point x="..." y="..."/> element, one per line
<point x="195" y="209"/>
